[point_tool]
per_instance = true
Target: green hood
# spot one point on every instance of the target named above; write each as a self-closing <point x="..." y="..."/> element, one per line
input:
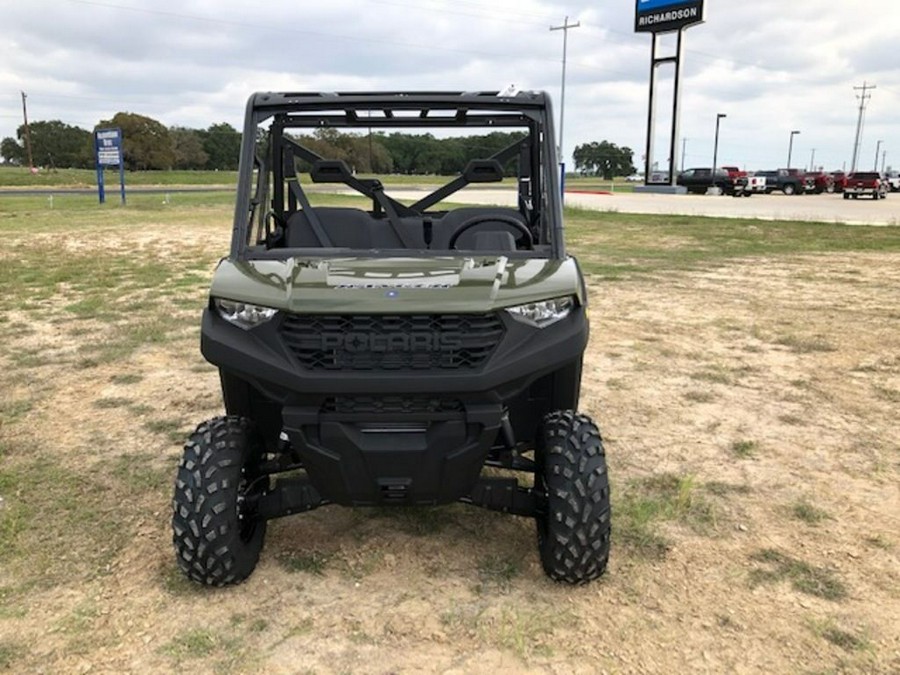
<point x="406" y="285"/>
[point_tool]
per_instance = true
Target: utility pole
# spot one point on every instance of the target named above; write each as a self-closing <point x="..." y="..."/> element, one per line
<point x="562" y="102"/>
<point x="863" y="99"/>
<point x="683" y="147"/>
<point x="27" y="133"/>
<point x="877" y="152"/>
<point x="812" y="160"/>
<point x="883" y="159"/>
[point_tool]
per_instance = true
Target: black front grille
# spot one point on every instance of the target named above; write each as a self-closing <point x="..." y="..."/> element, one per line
<point x="391" y="405"/>
<point x="392" y="343"/>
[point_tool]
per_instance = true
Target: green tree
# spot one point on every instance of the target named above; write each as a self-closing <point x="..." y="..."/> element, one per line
<point x="53" y="144"/>
<point x="222" y="144"/>
<point x="146" y="143"/>
<point x="363" y="153"/>
<point x="12" y="152"/>
<point x="603" y="159"/>
<point x="188" y="148"/>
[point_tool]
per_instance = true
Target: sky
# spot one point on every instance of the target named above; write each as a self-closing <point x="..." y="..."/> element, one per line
<point x="771" y="66"/>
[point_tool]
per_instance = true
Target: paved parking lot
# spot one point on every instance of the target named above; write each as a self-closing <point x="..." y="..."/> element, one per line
<point x="818" y="208"/>
<point x="815" y="208"/>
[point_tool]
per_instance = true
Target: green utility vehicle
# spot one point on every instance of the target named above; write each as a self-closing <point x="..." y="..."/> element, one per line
<point x="396" y="349"/>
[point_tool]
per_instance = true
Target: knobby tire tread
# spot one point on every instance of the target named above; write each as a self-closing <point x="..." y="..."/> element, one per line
<point x="574" y="533"/>
<point x="212" y="545"/>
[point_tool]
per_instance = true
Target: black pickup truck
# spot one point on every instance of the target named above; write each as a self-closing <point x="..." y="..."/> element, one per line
<point x="789" y="181"/>
<point x="698" y="181"/>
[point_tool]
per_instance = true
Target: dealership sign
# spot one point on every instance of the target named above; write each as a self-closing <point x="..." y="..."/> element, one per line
<point x="108" y="152"/>
<point x="662" y="16"/>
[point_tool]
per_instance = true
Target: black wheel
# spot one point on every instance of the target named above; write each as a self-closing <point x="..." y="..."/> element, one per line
<point x="573" y="529"/>
<point x="789" y="189"/>
<point x="217" y="542"/>
<point x="846" y="196"/>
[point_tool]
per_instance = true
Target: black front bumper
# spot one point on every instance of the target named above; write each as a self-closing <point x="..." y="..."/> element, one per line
<point x="396" y="435"/>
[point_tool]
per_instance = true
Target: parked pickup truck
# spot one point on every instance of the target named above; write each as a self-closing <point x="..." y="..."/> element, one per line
<point x="839" y="179"/>
<point x="745" y="184"/>
<point x="699" y="180"/>
<point x="785" y="180"/>
<point x="821" y="181"/>
<point x="893" y="180"/>
<point x="865" y="183"/>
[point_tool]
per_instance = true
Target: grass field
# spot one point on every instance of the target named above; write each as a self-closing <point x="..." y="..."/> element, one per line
<point x="18" y="177"/>
<point x="746" y="375"/>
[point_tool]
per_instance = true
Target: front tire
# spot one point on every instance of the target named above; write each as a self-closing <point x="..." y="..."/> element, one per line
<point x="789" y="189"/>
<point x="217" y="542"/>
<point x="573" y="529"/>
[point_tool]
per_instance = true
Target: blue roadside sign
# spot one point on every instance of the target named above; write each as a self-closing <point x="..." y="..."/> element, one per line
<point x="663" y="16"/>
<point x="108" y="152"/>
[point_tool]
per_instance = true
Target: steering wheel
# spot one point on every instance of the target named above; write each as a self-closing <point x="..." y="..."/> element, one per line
<point x="515" y="223"/>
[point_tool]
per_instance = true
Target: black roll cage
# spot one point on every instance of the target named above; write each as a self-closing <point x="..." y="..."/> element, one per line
<point x="538" y="187"/>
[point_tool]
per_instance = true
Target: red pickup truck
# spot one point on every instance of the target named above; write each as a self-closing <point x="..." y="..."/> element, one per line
<point x="839" y="179"/>
<point x="865" y="183"/>
<point x="822" y="182"/>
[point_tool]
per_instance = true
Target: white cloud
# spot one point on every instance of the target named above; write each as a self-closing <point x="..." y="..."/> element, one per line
<point x="771" y="66"/>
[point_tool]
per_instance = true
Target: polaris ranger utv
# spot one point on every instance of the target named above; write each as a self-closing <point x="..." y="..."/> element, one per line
<point x="378" y="350"/>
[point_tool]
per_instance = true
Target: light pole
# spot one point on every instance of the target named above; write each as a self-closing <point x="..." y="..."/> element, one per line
<point x="562" y="103"/>
<point x="683" y="149"/>
<point x="791" y="147"/>
<point x="812" y="160"/>
<point x="712" y="176"/>
<point x="877" y="152"/>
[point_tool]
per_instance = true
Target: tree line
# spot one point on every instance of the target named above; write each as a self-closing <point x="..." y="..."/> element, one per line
<point x="147" y="145"/>
<point x="150" y="145"/>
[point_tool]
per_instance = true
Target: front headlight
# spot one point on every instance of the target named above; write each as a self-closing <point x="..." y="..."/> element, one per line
<point x="543" y="314"/>
<point x="242" y="314"/>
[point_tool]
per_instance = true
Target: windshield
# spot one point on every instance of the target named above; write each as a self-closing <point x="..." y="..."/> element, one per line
<point x="359" y="176"/>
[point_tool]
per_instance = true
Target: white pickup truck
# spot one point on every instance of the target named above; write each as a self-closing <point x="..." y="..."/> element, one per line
<point x="755" y="184"/>
<point x="892" y="178"/>
<point x="745" y="184"/>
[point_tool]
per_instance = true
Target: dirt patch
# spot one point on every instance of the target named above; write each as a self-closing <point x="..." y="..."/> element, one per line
<point x="753" y="405"/>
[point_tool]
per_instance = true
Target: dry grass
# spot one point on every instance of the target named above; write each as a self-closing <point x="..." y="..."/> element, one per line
<point x="751" y="392"/>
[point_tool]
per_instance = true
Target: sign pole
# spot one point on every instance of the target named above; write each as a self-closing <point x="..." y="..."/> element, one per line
<point x="121" y="174"/>
<point x="676" y="112"/>
<point x="101" y="192"/>
<point x="657" y="17"/>
<point x="651" y="112"/>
